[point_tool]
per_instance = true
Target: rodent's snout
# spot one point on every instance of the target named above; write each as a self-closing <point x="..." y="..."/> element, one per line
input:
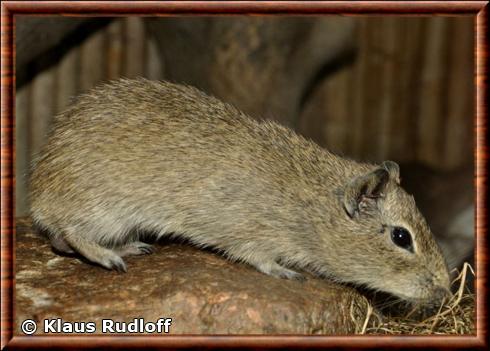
<point x="432" y="306"/>
<point x="441" y="295"/>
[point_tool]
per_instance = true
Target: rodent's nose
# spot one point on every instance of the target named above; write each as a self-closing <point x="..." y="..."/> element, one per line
<point x="441" y="293"/>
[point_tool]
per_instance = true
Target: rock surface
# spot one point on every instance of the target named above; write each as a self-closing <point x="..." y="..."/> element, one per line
<point x="202" y="292"/>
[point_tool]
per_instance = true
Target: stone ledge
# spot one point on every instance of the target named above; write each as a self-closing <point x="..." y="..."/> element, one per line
<point x="202" y="292"/>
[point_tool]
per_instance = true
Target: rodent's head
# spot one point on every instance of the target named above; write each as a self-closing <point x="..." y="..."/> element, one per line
<point x="393" y="248"/>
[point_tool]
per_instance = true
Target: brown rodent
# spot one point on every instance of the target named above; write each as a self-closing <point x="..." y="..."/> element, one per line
<point x="136" y="155"/>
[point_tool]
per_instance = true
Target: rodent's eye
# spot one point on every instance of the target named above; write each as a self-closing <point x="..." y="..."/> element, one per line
<point x="402" y="238"/>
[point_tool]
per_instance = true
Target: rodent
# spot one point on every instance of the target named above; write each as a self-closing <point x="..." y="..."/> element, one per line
<point x="134" y="155"/>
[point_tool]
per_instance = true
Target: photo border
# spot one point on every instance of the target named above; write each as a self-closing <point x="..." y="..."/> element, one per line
<point x="478" y="9"/>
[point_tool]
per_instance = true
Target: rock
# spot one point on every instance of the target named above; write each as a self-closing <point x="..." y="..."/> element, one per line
<point x="201" y="291"/>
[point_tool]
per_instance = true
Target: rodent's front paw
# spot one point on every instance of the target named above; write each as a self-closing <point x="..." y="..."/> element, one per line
<point x="114" y="262"/>
<point x="135" y="248"/>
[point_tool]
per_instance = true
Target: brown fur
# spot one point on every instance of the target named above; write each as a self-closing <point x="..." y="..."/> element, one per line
<point x="168" y="158"/>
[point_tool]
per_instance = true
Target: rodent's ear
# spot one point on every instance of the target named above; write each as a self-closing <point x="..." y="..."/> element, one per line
<point x="393" y="169"/>
<point x="364" y="190"/>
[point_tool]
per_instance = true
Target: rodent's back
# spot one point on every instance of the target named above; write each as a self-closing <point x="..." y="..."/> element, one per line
<point x="150" y="116"/>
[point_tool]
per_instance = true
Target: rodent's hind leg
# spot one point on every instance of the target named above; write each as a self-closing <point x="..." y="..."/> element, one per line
<point x="96" y="253"/>
<point x="278" y="271"/>
<point x="134" y="248"/>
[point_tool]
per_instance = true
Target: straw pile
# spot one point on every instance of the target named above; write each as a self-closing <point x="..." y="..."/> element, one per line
<point x="457" y="316"/>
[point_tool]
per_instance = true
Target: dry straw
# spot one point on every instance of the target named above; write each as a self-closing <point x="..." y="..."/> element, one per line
<point x="457" y="316"/>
